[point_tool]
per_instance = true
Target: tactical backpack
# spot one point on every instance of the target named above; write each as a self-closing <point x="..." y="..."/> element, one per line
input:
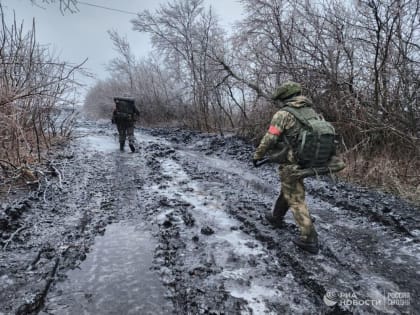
<point x="315" y="142"/>
<point x="125" y="109"/>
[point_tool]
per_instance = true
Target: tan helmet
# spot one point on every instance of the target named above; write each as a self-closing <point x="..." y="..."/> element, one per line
<point x="287" y="90"/>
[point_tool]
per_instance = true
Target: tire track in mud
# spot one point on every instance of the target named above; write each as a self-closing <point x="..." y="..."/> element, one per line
<point x="91" y="290"/>
<point x="63" y="220"/>
<point x="357" y="267"/>
<point x="248" y="213"/>
<point x="347" y="255"/>
<point x="182" y="191"/>
<point x="219" y="264"/>
<point x="216" y="253"/>
<point x="373" y="250"/>
<point x="173" y="210"/>
<point x="377" y="252"/>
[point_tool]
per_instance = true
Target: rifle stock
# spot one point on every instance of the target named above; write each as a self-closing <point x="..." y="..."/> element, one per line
<point x="335" y="165"/>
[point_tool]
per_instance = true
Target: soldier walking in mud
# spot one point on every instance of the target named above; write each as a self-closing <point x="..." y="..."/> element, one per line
<point x="303" y="143"/>
<point x="124" y="115"/>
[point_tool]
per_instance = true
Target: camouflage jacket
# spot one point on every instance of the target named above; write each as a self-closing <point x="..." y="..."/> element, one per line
<point x="282" y="124"/>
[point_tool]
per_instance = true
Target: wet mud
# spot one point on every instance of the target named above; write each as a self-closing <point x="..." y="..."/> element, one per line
<point x="179" y="228"/>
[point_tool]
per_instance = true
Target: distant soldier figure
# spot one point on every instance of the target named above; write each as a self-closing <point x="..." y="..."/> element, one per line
<point x="124" y="115"/>
<point x="307" y="146"/>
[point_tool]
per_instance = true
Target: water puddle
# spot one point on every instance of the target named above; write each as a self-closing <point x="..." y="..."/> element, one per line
<point x="114" y="279"/>
<point x="101" y="143"/>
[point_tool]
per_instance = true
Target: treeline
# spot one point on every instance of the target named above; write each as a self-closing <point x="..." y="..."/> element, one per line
<point x="36" y="98"/>
<point x="358" y="60"/>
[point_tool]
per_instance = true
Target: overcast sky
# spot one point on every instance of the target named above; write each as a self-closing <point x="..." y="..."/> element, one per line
<point x="81" y="35"/>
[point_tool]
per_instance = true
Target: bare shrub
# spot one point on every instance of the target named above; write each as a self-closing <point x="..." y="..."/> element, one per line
<point x="35" y="97"/>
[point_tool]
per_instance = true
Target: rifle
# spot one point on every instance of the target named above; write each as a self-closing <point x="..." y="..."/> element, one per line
<point x="276" y="157"/>
<point x="335" y="165"/>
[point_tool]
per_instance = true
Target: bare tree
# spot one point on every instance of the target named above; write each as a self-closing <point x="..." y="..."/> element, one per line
<point x="336" y="49"/>
<point x="187" y="33"/>
<point x="65" y="5"/>
<point x="33" y="87"/>
<point x="124" y="64"/>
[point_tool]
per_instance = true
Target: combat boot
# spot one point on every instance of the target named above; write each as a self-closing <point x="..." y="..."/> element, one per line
<point x="132" y="147"/>
<point x="310" y="244"/>
<point x="122" y="146"/>
<point x="276" y="216"/>
<point x="274" y="221"/>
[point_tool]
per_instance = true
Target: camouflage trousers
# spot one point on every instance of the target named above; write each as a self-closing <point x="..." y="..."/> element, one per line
<point x="126" y="131"/>
<point x="293" y="192"/>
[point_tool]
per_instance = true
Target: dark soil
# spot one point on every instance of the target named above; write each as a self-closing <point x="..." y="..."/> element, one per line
<point x="195" y="202"/>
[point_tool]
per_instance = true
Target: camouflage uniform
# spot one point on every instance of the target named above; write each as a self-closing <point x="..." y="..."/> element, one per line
<point x="125" y="128"/>
<point x="292" y="193"/>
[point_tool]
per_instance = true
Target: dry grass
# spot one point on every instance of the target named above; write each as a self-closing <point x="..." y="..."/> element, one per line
<point x="400" y="176"/>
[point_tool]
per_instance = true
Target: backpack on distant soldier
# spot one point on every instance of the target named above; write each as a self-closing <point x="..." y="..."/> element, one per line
<point x="315" y="143"/>
<point x="125" y="109"/>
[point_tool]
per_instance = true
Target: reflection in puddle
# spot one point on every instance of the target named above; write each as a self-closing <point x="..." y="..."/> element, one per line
<point x="114" y="279"/>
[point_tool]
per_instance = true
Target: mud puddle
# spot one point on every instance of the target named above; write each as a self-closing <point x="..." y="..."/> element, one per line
<point x="116" y="277"/>
<point x="193" y="238"/>
<point x="101" y="143"/>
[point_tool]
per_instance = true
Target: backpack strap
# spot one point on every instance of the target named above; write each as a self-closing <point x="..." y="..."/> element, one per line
<point x="302" y="114"/>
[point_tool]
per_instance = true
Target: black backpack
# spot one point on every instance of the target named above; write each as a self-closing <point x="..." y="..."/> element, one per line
<point x="125" y="109"/>
<point x="315" y="143"/>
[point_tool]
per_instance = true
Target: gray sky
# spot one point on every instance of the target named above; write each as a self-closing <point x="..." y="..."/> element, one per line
<point x="81" y="35"/>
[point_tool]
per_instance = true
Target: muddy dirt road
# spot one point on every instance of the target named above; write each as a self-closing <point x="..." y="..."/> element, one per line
<point x="178" y="228"/>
